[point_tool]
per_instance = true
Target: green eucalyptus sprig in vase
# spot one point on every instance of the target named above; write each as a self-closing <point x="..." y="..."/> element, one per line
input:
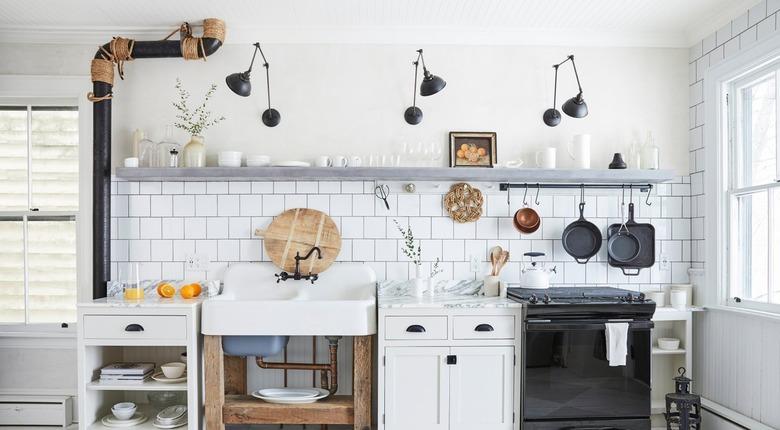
<point x="195" y="122"/>
<point x="411" y="249"/>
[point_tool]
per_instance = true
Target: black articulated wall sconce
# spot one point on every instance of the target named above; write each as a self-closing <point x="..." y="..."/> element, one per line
<point x="240" y="84"/>
<point x="430" y="85"/>
<point x="575" y="107"/>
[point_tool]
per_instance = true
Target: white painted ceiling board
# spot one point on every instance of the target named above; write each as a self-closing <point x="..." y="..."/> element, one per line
<point x="531" y="22"/>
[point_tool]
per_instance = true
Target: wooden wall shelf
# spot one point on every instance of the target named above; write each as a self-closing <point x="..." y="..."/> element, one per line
<point x="592" y="176"/>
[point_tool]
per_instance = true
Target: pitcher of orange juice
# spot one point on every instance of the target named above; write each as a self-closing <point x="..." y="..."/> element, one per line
<point x="131" y="282"/>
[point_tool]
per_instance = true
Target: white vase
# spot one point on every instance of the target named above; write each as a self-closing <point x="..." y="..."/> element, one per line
<point x="490" y="287"/>
<point x="194" y="152"/>
<point x="419" y="281"/>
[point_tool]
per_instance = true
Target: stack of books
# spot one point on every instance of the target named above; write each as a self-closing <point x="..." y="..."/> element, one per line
<point x="126" y="373"/>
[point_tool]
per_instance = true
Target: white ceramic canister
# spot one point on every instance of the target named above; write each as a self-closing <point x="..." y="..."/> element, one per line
<point x="579" y="151"/>
<point x="678" y="299"/>
<point x="490" y="288"/>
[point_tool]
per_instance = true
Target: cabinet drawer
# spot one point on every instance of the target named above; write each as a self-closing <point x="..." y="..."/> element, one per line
<point x="131" y="327"/>
<point x="32" y="414"/>
<point x="484" y="327"/>
<point x="416" y="328"/>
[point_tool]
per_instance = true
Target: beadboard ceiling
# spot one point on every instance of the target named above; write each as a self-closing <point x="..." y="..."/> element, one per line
<point x="663" y="23"/>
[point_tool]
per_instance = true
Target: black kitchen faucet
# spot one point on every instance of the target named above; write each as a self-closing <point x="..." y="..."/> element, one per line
<point x="283" y="276"/>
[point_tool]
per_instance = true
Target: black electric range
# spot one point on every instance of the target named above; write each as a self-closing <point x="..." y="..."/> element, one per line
<point x="569" y="383"/>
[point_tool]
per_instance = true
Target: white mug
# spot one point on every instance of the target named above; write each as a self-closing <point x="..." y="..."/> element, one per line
<point x="131" y="162"/>
<point x="579" y="151"/>
<point x="546" y="158"/>
<point x="340" y="161"/>
<point x="356" y="161"/>
<point x="513" y="164"/>
<point x="323" y="161"/>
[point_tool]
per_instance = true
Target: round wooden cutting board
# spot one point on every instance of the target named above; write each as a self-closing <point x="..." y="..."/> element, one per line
<point x="299" y="230"/>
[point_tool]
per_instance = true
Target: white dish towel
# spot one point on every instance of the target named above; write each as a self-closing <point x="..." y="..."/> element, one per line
<point x="617" y="343"/>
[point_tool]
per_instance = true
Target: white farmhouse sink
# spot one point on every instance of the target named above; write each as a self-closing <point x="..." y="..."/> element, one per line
<point x="342" y="302"/>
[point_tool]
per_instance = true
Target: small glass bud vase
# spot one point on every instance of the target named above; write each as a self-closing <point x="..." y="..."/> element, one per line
<point x="194" y="152"/>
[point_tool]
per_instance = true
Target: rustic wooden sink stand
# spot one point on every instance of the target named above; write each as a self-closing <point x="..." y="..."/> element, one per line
<point x="227" y="401"/>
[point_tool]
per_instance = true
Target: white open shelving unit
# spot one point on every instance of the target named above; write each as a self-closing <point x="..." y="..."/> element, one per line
<point x="669" y="322"/>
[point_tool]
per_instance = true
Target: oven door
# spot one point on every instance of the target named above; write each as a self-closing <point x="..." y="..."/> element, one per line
<point x="567" y="375"/>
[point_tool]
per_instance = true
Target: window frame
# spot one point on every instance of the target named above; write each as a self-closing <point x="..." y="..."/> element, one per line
<point x="718" y="205"/>
<point x="41" y="90"/>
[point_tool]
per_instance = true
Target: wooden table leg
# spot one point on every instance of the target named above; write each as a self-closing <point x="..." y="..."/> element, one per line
<point x="235" y="375"/>
<point x="215" y="381"/>
<point x="361" y="381"/>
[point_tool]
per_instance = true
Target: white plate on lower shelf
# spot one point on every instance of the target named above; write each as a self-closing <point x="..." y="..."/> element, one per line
<point x="169" y="426"/>
<point x="289" y="393"/>
<point x="322" y="393"/>
<point x="111" y="421"/>
<point x="160" y="377"/>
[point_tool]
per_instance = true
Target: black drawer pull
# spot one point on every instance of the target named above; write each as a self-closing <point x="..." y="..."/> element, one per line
<point x="134" y="327"/>
<point x="484" y="327"/>
<point x="415" y="328"/>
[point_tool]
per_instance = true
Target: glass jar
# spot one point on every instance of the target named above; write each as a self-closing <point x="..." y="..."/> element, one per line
<point x="650" y="153"/>
<point x="194" y="152"/>
<point x="166" y="148"/>
<point x="131" y="282"/>
<point x="147" y="153"/>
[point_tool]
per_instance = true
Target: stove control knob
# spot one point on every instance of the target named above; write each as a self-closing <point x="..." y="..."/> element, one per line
<point x="641" y="297"/>
<point x="546" y="299"/>
<point x="629" y="298"/>
<point x="533" y="300"/>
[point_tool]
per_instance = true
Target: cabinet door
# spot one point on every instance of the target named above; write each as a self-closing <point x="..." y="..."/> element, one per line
<point x="482" y="388"/>
<point x="416" y="388"/>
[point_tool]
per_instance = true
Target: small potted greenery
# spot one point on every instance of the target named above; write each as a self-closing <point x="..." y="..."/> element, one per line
<point x="194" y="122"/>
<point x="412" y="250"/>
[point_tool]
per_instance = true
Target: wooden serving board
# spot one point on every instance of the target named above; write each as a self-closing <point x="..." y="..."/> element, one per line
<point x="299" y="230"/>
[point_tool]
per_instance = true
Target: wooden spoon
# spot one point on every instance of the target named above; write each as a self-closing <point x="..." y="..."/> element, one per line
<point x="502" y="260"/>
<point x="495" y="255"/>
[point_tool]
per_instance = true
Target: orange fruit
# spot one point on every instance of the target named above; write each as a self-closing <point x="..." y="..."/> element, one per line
<point x="481" y="151"/>
<point x="166" y="289"/>
<point x="190" y="290"/>
<point x="460" y="153"/>
<point x="464" y="147"/>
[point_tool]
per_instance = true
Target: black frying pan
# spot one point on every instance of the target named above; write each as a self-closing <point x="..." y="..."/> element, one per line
<point x="645" y="235"/>
<point x="622" y="245"/>
<point x="581" y="239"/>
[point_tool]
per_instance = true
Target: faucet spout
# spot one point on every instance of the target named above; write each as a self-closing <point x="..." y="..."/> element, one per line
<point x="311" y="251"/>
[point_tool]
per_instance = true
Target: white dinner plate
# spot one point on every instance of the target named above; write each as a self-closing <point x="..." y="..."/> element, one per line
<point x="289" y="393"/>
<point x="111" y="421"/>
<point x="290" y="400"/>
<point x="169" y="426"/>
<point x="160" y="377"/>
<point x="292" y="164"/>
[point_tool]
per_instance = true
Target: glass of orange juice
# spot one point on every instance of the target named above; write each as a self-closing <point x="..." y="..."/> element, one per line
<point x="131" y="282"/>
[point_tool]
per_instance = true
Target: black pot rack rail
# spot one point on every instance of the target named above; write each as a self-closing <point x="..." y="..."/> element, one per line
<point x="506" y="186"/>
<point x="116" y="53"/>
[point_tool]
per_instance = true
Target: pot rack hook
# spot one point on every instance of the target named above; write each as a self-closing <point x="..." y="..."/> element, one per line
<point x="525" y="193"/>
<point x="538" y="188"/>
<point x="508" y="188"/>
<point x="631" y="193"/>
<point x="647" y="199"/>
<point x="582" y="193"/>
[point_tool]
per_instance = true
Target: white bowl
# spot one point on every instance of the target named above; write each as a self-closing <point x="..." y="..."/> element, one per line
<point x="173" y="370"/>
<point x="668" y="343"/>
<point x="229" y="163"/>
<point x="230" y="154"/>
<point x="123" y="412"/>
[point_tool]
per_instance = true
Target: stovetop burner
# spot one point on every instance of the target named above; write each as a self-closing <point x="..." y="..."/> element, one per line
<point x="584" y="302"/>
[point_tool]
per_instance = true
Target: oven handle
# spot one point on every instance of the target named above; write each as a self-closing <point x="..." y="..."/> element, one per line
<point x="582" y="325"/>
<point x="590" y="428"/>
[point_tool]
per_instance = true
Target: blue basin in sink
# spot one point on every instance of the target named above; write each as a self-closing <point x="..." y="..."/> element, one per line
<point x="254" y="346"/>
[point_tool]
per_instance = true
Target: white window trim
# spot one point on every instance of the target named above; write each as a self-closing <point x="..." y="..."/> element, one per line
<point x="716" y="173"/>
<point x="71" y="87"/>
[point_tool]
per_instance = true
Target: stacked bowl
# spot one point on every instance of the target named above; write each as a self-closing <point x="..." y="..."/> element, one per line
<point x="229" y="159"/>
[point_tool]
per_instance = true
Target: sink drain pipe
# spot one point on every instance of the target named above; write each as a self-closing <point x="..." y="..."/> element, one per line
<point x="329" y="373"/>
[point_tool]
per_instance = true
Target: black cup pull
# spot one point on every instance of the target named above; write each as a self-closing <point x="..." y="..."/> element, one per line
<point x="134" y="327"/>
<point x="484" y="327"/>
<point x="415" y="328"/>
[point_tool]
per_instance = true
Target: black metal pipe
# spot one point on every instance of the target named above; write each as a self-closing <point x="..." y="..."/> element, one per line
<point x="641" y="187"/>
<point x="101" y="141"/>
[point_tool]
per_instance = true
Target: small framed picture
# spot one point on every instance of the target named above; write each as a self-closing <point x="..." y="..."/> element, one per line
<point x="472" y="149"/>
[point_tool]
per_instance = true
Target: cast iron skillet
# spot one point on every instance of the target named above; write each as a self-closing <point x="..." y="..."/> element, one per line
<point x="581" y="239"/>
<point x="645" y="234"/>
<point x="622" y="245"/>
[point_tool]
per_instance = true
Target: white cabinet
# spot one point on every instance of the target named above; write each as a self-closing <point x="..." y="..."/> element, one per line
<point x="481" y="388"/>
<point x="447" y="369"/>
<point x="416" y="388"/>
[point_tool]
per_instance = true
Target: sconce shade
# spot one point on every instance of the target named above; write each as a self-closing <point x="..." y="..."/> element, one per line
<point x="271" y="117"/>
<point x="576" y="107"/>
<point x="431" y="85"/>
<point x="552" y="117"/>
<point x="239" y="83"/>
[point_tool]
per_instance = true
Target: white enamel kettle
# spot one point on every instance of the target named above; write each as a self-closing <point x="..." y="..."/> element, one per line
<point x="535" y="275"/>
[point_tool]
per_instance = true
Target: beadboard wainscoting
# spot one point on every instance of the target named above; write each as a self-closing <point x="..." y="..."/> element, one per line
<point x="158" y="224"/>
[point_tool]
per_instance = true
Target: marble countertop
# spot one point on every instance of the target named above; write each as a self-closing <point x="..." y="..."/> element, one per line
<point x="447" y="294"/>
<point x="150" y="301"/>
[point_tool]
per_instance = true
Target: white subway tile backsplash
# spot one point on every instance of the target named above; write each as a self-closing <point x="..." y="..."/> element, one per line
<point x="739" y="24"/>
<point x="442" y="228"/>
<point x="183" y="205"/>
<point x="363" y="250"/>
<point x="119" y="206"/>
<point x="340" y="205"/>
<point x="173" y="187"/>
<point x="352" y="187"/>
<point x="240" y="187"/>
<point x="138" y="205"/>
<point x="207" y="248"/>
<point x="139" y="250"/>
<point x="386" y="250"/>
<point x="250" y="205"/>
<point x="330" y="187"/>
<point x="408" y="205"/>
<point x="262" y="187"/>
<point x="273" y="205"/>
<point x="724" y="34"/>
<point x="195" y="228"/>
<point x="217" y="227"/>
<point x="352" y="227"/>
<point x="127" y="187"/>
<point x="284" y="187"/>
<point x="127" y="228"/>
<point x="228" y="205"/>
<point x="172" y="270"/>
<point x="205" y="205"/>
<point x="757" y="13"/>
<point x="194" y="188"/>
<point x="150" y="228"/>
<point x="306" y="187"/>
<point x="172" y="228"/>
<point x="487" y="228"/>
<point x="566" y="206"/>
<point x="453" y="250"/>
<point x="765" y="28"/>
<point x="239" y="228"/>
<point x="363" y="204"/>
<point x="161" y="250"/>
<point x="183" y="248"/>
<point x="228" y="250"/>
<point x="216" y="187"/>
<point x="161" y="205"/>
<point x="421" y="227"/>
<point x="250" y="250"/>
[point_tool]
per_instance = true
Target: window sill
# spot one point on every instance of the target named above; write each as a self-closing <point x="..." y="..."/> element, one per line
<point x="745" y="311"/>
<point x="40" y="331"/>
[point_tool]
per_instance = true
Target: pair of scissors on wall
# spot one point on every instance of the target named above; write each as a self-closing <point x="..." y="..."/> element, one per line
<point x="381" y="192"/>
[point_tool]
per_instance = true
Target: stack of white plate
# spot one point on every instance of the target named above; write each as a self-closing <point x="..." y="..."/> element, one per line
<point x="112" y="421"/>
<point x="255" y="160"/>
<point x="291" y="395"/>
<point x="229" y="159"/>
<point x="171" y="417"/>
